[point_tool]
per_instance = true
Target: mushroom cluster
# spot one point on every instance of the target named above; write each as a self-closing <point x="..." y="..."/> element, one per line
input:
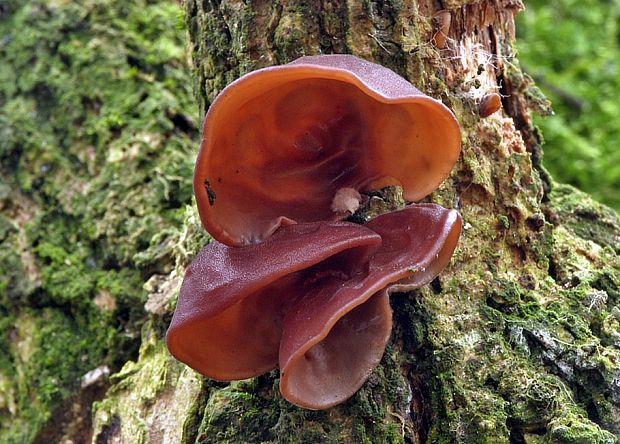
<point x="287" y="154"/>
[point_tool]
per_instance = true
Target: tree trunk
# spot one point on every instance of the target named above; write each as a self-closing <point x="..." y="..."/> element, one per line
<point x="517" y="341"/>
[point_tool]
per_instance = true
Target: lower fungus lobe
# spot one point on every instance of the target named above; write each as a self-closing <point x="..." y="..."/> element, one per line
<point x="303" y="297"/>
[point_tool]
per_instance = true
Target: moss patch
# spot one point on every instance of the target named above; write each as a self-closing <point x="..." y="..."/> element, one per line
<point x="97" y="134"/>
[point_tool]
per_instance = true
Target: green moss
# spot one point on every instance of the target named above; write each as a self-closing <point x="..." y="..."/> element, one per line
<point x="570" y="428"/>
<point x="235" y="413"/>
<point x="48" y="352"/>
<point x="587" y="218"/>
<point x="195" y="412"/>
<point x="97" y="134"/>
<point x="13" y="287"/>
<point x="250" y="411"/>
<point x="253" y="411"/>
<point x="146" y="396"/>
<point x="290" y="34"/>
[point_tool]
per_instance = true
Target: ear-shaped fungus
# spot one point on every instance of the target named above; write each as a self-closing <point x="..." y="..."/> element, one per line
<point x="228" y="321"/>
<point x="280" y="142"/>
<point x="325" y="361"/>
<point x="313" y="298"/>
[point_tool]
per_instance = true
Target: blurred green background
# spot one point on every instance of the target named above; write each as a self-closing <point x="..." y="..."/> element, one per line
<point x="572" y="50"/>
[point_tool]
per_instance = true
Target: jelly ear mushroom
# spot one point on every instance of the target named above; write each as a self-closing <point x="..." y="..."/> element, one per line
<point x="228" y="321"/>
<point x="312" y="299"/>
<point x="279" y="143"/>
<point x="326" y="360"/>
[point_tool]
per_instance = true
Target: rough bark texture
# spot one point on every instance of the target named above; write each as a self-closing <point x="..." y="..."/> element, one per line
<point x="518" y="341"/>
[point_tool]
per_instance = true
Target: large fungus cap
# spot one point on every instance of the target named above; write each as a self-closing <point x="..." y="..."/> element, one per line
<point x="280" y="142"/>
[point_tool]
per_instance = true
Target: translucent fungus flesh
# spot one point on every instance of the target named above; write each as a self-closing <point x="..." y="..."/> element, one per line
<point x="285" y="153"/>
<point x="280" y="142"/>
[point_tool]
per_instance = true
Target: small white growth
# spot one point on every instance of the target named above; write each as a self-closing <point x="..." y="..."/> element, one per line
<point x="346" y="200"/>
<point x="596" y="300"/>
<point x="95" y="376"/>
<point x="478" y="65"/>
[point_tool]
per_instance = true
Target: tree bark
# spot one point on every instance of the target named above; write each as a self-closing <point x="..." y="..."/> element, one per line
<point x="517" y="341"/>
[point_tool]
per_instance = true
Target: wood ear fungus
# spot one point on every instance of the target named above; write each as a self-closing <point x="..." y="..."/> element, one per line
<point x="441" y="23"/>
<point x="279" y="143"/>
<point x="228" y="320"/>
<point x="286" y="152"/>
<point x="304" y="296"/>
<point x="489" y="104"/>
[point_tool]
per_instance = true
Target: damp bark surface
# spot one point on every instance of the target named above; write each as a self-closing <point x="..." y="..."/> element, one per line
<point x="517" y="341"/>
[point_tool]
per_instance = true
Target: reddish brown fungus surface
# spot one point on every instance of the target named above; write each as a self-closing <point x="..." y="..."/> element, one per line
<point x="335" y="334"/>
<point x="228" y="320"/>
<point x="489" y="104"/>
<point x="286" y="151"/>
<point x="280" y="142"/>
<point x="313" y="299"/>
